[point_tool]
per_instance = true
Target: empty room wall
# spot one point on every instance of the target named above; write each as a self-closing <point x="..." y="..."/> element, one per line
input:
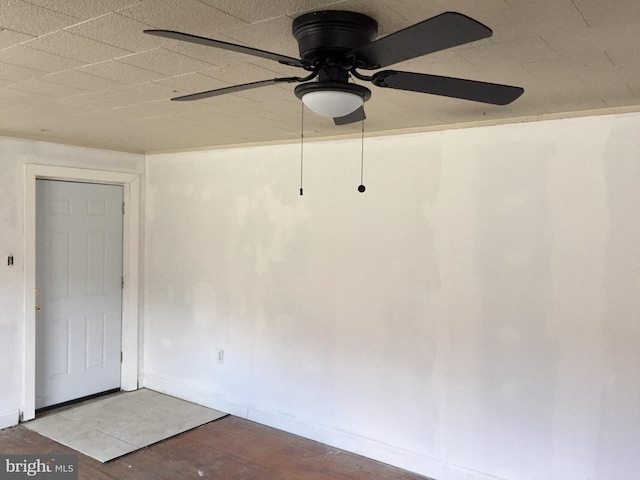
<point x="14" y="155"/>
<point x="473" y="315"/>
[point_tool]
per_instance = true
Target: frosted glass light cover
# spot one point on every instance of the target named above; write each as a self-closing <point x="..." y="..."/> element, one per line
<point x="332" y="103"/>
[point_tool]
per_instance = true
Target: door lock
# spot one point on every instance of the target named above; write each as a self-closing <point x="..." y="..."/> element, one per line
<point x="38" y="308"/>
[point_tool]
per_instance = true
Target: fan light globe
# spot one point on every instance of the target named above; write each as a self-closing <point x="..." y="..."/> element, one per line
<point x="332" y="103"/>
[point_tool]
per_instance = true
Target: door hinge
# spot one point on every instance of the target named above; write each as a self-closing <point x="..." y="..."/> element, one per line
<point x="122" y="283"/>
<point x="121" y="357"/>
<point x="123" y="208"/>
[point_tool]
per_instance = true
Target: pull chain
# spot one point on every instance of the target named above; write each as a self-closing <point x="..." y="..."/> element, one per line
<point x="301" y="148"/>
<point x="362" y="188"/>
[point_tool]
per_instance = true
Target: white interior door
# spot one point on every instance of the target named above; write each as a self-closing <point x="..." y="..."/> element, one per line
<point x="79" y="282"/>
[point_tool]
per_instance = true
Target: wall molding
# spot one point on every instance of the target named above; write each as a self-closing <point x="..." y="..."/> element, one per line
<point x="9" y="419"/>
<point x="330" y="435"/>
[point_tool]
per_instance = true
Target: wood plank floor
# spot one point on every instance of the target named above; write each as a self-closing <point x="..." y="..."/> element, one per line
<point x="230" y="448"/>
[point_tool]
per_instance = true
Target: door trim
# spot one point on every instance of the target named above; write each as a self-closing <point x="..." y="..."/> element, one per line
<point x="130" y="270"/>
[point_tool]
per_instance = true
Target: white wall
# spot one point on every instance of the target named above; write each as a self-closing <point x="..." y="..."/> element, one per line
<point x="473" y="315"/>
<point x="14" y="154"/>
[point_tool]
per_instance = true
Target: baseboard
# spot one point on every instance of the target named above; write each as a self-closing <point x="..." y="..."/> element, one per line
<point x="9" y="419"/>
<point x="409" y="460"/>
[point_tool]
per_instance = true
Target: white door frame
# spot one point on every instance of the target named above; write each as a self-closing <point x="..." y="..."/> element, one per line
<point x="130" y="270"/>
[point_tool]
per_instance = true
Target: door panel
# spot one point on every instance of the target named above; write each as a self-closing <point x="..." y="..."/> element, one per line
<point x="96" y="264"/>
<point x="78" y="275"/>
<point x="58" y="358"/>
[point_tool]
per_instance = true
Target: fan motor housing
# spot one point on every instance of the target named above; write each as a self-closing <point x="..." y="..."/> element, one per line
<point x="328" y="36"/>
<point x="304" y="88"/>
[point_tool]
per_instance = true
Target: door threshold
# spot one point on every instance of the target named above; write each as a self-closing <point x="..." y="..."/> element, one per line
<point x="75" y="402"/>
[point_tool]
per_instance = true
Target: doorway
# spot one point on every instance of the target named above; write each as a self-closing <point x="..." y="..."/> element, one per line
<point x="79" y="290"/>
<point x="130" y="183"/>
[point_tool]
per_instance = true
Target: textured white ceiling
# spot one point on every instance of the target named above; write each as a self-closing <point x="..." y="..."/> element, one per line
<point x="82" y="72"/>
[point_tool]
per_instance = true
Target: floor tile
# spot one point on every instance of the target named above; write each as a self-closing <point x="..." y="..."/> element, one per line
<point x="111" y="427"/>
<point x="99" y="445"/>
<point x="56" y="425"/>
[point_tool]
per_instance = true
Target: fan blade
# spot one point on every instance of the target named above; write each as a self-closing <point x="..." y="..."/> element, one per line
<point x="444" y="31"/>
<point x="234" y="89"/>
<point x="355" y="116"/>
<point x="185" y="37"/>
<point x="476" y="91"/>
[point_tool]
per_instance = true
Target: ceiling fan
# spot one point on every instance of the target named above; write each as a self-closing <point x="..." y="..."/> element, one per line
<point x="335" y="44"/>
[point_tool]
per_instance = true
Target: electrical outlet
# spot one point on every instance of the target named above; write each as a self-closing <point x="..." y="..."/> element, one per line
<point x="221" y="356"/>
